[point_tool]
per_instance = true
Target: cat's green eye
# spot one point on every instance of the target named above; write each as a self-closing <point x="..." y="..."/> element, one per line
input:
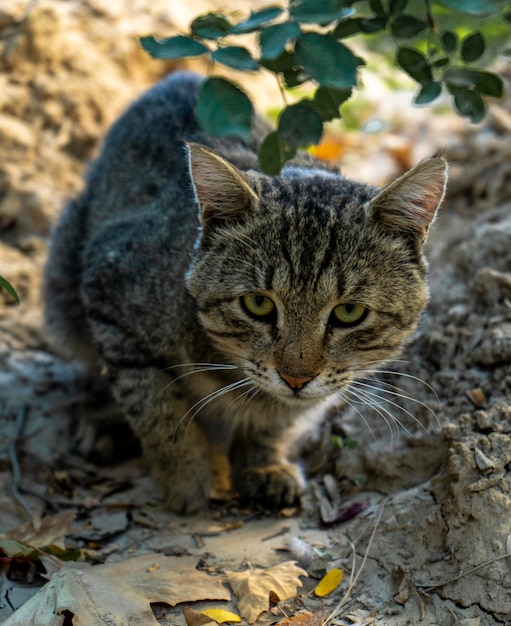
<point x="258" y="306"/>
<point x="348" y="314"/>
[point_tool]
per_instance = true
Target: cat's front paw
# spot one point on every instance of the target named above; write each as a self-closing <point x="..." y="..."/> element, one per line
<point x="185" y="500"/>
<point x="277" y="485"/>
<point x="186" y="490"/>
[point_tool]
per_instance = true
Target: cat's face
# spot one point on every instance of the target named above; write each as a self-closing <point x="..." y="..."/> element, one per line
<point x="307" y="286"/>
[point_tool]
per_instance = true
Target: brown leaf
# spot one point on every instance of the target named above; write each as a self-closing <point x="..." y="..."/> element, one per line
<point x="119" y="593"/>
<point x="194" y="618"/>
<point x="52" y="531"/>
<point x="254" y="586"/>
<point x="477" y="397"/>
<point x="305" y="618"/>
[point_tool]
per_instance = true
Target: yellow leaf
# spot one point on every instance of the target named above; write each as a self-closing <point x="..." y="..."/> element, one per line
<point x="253" y="587"/>
<point x="330" y="581"/>
<point x="221" y="616"/>
<point x="154" y="567"/>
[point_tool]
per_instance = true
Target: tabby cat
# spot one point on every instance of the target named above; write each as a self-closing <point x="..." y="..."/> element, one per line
<point x="227" y="306"/>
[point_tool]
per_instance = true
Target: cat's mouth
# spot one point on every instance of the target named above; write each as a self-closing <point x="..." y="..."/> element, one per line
<point x="295" y="390"/>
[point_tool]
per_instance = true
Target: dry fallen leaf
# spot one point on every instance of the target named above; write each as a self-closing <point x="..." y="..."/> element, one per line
<point x="195" y="618"/>
<point x="118" y="593"/>
<point x="477" y="397"/>
<point x="221" y="616"/>
<point x="52" y="531"/>
<point x="330" y="581"/>
<point x="305" y="618"/>
<point x="254" y="586"/>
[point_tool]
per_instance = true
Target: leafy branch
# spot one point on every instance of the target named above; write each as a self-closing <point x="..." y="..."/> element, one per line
<point x="441" y="44"/>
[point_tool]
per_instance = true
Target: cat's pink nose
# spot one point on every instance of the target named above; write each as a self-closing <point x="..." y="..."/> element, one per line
<point x="295" y="382"/>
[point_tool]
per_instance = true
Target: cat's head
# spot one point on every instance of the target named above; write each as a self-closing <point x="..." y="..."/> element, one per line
<point x="308" y="279"/>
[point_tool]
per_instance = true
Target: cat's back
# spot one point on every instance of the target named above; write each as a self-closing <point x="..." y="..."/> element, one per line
<point x="143" y="154"/>
<point x="140" y="182"/>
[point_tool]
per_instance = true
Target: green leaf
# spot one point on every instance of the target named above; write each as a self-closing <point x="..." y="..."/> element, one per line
<point x="415" y="64"/>
<point x="5" y="284"/>
<point x="396" y="7"/>
<point x="346" y="28"/>
<point x="428" y="92"/>
<point x="327" y="61"/>
<point x="468" y="103"/>
<point x="295" y="77"/>
<point x="236" y="57"/>
<point x="211" y="26"/>
<point x="377" y="7"/>
<point x="489" y="84"/>
<point x="301" y="124"/>
<point x="318" y="11"/>
<point x="176" y="47"/>
<point x="256" y="19"/>
<point x="287" y="65"/>
<point x="328" y="100"/>
<point x="449" y="41"/>
<point x="223" y="109"/>
<point x="372" y="25"/>
<point x="273" y="39"/>
<point x="483" y="82"/>
<point x="472" y="47"/>
<point x="441" y="62"/>
<point x="406" y="26"/>
<point x="283" y="63"/>
<point x="273" y="153"/>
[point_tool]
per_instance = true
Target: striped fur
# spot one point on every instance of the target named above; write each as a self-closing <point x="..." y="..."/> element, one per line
<point x="149" y="266"/>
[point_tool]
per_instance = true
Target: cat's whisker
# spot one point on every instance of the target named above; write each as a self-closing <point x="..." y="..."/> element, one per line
<point x="414" y="378"/>
<point x="398" y="373"/>
<point x="393" y="390"/>
<point x="199" y="370"/>
<point x="351" y="404"/>
<point x="203" y="402"/>
<point x="242" y="396"/>
<point x="386" y="360"/>
<point x="199" y="364"/>
<point x="370" y="402"/>
<point x="371" y="395"/>
<point x="247" y="397"/>
<point x="215" y="368"/>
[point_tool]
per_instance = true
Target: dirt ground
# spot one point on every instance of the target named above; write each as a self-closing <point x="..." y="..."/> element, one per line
<point x="417" y="515"/>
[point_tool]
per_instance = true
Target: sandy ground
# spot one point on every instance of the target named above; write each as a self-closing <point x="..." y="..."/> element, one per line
<point x="420" y="508"/>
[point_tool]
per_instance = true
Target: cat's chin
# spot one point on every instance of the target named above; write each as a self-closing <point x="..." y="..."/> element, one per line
<point x="299" y="398"/>
<point x="298" y="401"/>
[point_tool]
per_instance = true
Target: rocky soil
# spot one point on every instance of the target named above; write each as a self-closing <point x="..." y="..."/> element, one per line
<point x="420" y="508"/>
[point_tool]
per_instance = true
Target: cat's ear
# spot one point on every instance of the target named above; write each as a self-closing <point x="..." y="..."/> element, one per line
<point x="223" y="194"/>
<point x="409" y="204"/>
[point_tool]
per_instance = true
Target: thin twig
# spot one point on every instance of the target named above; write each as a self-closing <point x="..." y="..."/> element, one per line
<point x="13" y="458"/>
<point x="426" y="588"/>
<point x="354" y="577"/>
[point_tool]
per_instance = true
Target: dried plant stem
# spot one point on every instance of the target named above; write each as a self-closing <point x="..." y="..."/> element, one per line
<point x="13" y="458"/>
<point x="354" y="576"/>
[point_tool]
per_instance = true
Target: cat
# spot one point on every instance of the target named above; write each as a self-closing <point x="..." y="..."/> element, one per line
<point x="227" y="306"/>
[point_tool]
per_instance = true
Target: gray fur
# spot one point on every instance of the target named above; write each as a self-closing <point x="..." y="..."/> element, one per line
<point x="149" y="266"/>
